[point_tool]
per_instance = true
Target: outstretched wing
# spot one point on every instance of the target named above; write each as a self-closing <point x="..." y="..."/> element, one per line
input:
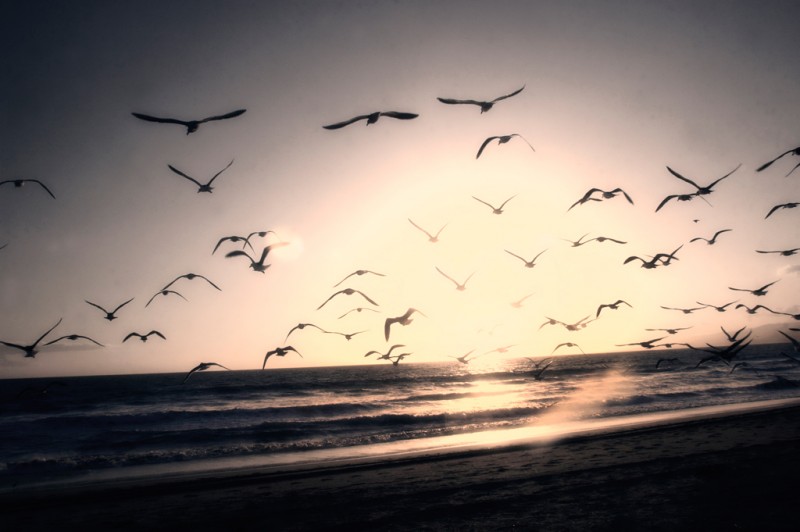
<point x="421" y="229"/>
<point x="101" y="308"/>
<point x="48" y="332"/>
<point x="399" y="115"/>
<point x="42" y="185"/>
<point x="339" y="125"/>
<point x="193" y="180"/>
<point x="149" y="118"/>
<point x="506" y="201"/>
<point x="440" y="271"/>
<point x="767" y="164"/>
<point x="232" y="114"/>
<point x="453" y="101"/>
<point x="218" y="173"/>
<point x="679" y="176"/>
<point x="723" y="177"/>
<point x="480" y="150"/>
<point x="120" y="306"/>
<point x="508" y="95"/>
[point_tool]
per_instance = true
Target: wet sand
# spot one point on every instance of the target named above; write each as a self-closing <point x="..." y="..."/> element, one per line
<point x="736" y="472"/>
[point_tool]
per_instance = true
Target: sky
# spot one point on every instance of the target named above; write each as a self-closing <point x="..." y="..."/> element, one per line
<point x="614" y="92"/>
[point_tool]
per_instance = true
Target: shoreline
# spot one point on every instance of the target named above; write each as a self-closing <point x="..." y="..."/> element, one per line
<point x="706" y="463"/>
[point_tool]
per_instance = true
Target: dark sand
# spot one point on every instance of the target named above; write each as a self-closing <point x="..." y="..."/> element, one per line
<point x="729" y="473"/>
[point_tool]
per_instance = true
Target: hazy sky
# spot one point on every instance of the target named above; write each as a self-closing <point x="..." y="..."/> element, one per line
<point x="615" y="91"/>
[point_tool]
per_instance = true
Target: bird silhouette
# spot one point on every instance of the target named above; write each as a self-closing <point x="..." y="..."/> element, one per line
<point x="191" y="277"/>
<point x="567" y="344"/>
<point x="794" y="151"/>
<point x="589" y="196"/>
<point x="790" y="205"/>
<point x="19" y="183"/>
<point x="495" y="210"/>
<point x="397" y="358"/>
<point x="347" y="336"/>
<point x="348" y="292"/>
<point x="518" y="302"/>
<point x="464" y="359"/>
<point x="459" y="286"/>
<point x="30" y="350"/>
<point x="528" y="263"/>
<point x="762" y="291"/>
<point x="784" y="252"/>
<point x="257" y="265"/>
<point x="673" y="330"/>
<point x="612" y="306"/>
<point x="387" y="354"/>
<point x="604" y="238"/>
<point x="721" y="308"/>
<point x="301" y="326"/>
<point x="371" y="118"/>
<point x="261" y="234"/>
<point x="165" y="292"/>
<point x="190" y="125"/>
<point x="484" y="105"/>
<point x="501" y="139"/>
<point x="647" y="344"/>
<point x="680" y="197"/>
<point x="701" y="191"/>
<point x="144" y="337"/>
<point x="359" y="273"/>
<point x="684" y="310"/>
<point x="713" y="239"/>
<point x="755" y="309"/>
<point x="358" y="309"/>
<point x="431" y="238"/>
<point x="280" y="352"/>
<point x="110" y="315"/>
<point x="537" y="374"/>
<point x="579" y="242"/>
<point x="74" y="337"/>
<point x="201" y="187"/>
<point x="732" y="337"/>
<point x="232" y="239"/>
<point x="660" y="259"/>
<point x="405" y="319"/>
<point x="202" y="366"/>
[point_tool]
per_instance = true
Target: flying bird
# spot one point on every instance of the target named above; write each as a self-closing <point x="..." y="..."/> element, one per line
<point x="579" y="242"/>
<point x="784" y="252"/>
<point x="680" y="197"/>
<point x="518" y="302"/>
<point x="232" y="239"/>
<point x="795" y="151"/>
<point x="347" y="336"/>
<point x="459" y="286"/>
<point x="348" y="292"/>
<point x="647" y="344"/>
<point x="387" y="354"/>
<point x="190" y="277"/>
<point x="30" y="350"/>
<point x="484" y="105"/>
<point x="397" y="358"/>
<point x="73" y="337"/>
<point x="755" y="309"/>
<point x="734" y="336"/>
<point x="405" y="319"/>
<point x="790" y="205"/>
<point x="257" y="265"/>
<point x="660" y="259"/>
<point x="528" y="263"/>
<point x="280" y="352"/>
<point x="537" y="374"/>
<point x="612" y="306"/>
<point x="261" y="234"/>
<point x="589" y="196"/>
<point x="495" y="210"/>
<point x="110" y="315"/>
<point x="464" y="359"/>
<point x="762" y="291"/>
<point x="191" y="125"/>
<point x="358" y="309"/>
<point x="604" y="238"/>
<point x="144" y="337"/>
<point x="301" y="326"/>
<point x="671" y="331"/>
<point x="431" y="238"/>
<point x="165" y="293"/>
<point x="713" y="239"/>
<point x="371" y="118"/>
<point x="359" y="273"/>
<point x="701" y="191"/>
<point x="718" y="309"/>
<point x="501" y="139"/>
<point x="202" y="366"/>
<point x="19" y="183"/>
<point x="684" y="310"/>
<point x="201" y="187"/>
<point x="567" y="344"/>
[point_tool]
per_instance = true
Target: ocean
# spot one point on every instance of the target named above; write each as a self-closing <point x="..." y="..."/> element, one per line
<point x="68" y="428"/>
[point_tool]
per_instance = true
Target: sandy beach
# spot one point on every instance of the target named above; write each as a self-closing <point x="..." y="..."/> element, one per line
<point x="731" y="472"/>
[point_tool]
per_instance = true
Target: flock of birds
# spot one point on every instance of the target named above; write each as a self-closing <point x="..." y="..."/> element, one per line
<point x="725" y="353"/>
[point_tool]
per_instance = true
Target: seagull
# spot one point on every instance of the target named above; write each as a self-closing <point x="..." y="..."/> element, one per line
<point x="719" y="309"/>
<point x="495" y="210"/>
<point x="713" y="238"/>
<point x="30" y="350"/>
<point x="671" y="331"/>
<point x="578" y="324"/>
<point x="144" y="337"/>
<point x="701" y="191"/>
<point x="725" y="354"/>
<point x="359" y="273"/>
<point x="518" y="302"/>
<point x="732" y="337"/>
<point x="612" y="306"/>
<point x="459" y="286"/>
<point x="400" y="357"/>
<point x="684" y="310"/>
<point x="660" y="259"/>
<point x="74" y="337"/>
<point x="669" y="360"/>
<point x="110" y="315"/>
<point x="754" y="309"/>
<point x="647" y="344"/>
<point x="232" y="239"/>
<point x="795" y="151"/>
<point x="604" y="238"/>
<point x="464" y="359"/>
<point x="757" y="292"/>
<point x="501" y="139"/>
<point x="567" y="344"/>
<point x="202" y="366"/>
<point x="579" y="242"/>
<point x="501" y="350"/>
<point x="537" y="374"/>
<point x="528" y="263"/>
<point x="431" y="238"/>
<point x="359" y="309"/>
<point x="301" y="326"/>
<point x="190" y="277"/>
<point x="19" y="183"/>
<point x="405" y="319"/>
<point x="165" y="293"/>
<point x="262" y="234"/>
<point x="348" y="292"/>
<point x="589" y="196"/>
<point x="281" y="352"/>
<point x="371" y="118"/>
<point x="347" y="336"/>
<point x="257" y="265"/>
<point x="551" y="321"/>
<point x="680" y="197"/>
<point x="191" y="125"/>
<point x="538" y="364"/>
<point x="790" y="205"/>
<point x="387" y="354"/>
<point x="484" y="105"/>
<point x="785" y="252"/>
<point x="201" y="187"/>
